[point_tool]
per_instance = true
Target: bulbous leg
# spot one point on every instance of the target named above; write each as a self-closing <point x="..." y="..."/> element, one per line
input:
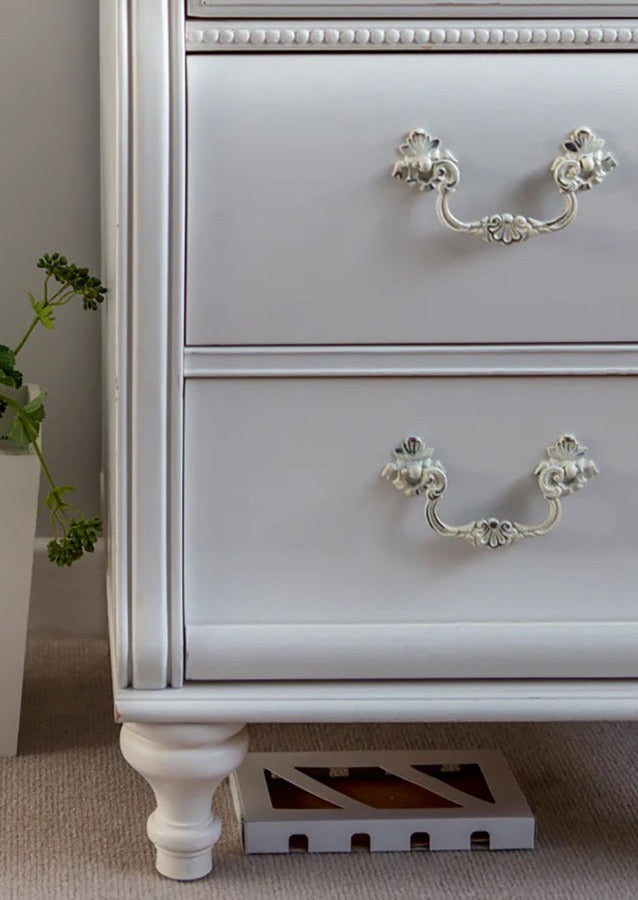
<point x="184" y="765"/>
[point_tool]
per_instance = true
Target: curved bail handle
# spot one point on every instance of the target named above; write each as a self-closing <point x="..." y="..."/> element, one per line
<point x="425" y="165"/>
<point x="566" y="469"/>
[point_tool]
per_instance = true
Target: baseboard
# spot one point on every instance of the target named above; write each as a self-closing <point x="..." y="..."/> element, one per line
<point x="69" y="600"/>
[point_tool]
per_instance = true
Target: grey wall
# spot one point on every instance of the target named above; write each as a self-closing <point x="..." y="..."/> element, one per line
<point x="49" y="199"/>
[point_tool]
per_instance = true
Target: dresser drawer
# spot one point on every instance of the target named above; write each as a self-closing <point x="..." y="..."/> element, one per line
<point x="301" y="561"/>
<point x="297" y="234"/>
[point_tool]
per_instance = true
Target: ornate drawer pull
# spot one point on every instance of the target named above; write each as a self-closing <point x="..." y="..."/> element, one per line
<point x="426" y="166"/>
<point x="415" y="471"/>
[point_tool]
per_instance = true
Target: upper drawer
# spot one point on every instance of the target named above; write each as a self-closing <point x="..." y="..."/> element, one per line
<point x="433" y="8"/>
<point x="297" y="234"/>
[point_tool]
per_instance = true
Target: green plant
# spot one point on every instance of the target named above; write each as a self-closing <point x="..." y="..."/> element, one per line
<point x="64" y="282"/>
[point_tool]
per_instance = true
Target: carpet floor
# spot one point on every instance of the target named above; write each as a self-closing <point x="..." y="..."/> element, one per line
<point x="72" y="821"/>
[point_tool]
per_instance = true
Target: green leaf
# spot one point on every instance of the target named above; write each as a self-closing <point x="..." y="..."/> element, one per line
<point x="34" y="413"/>
<point x="43" y="310"/>
<point x="9" y="375"/>
<point x="54" y="500"/>
<point x="7" y="357"/>
<point x="16" y="432"/>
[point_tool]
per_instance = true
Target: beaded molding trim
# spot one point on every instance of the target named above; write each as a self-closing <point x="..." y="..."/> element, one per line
<point x="407" y="36"/>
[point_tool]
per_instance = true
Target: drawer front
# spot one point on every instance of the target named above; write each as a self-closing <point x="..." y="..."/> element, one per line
<point x="301" y="561"/>
<point x="297" y="234"/>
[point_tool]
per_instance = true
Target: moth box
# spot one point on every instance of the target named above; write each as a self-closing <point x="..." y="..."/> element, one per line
<point x="380" y="801"/>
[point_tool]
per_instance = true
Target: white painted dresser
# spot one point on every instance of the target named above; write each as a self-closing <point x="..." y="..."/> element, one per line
<point x="286" y="321"/>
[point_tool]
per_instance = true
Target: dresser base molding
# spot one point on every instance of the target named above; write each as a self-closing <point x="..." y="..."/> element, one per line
<point x="184" y="765"/>
<point x="559" y="700"/>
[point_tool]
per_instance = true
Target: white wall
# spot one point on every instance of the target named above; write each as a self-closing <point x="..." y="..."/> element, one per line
<point x="49" y="200"/>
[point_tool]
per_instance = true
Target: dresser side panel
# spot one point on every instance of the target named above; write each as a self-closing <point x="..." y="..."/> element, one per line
<point x="114" y="206"/>
<point x="149" y="347"/>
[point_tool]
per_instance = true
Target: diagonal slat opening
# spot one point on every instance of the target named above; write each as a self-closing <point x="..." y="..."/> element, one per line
<point x="466" y="777"/>
<point x="286" y="795"/>
<point x="377" y="788"/>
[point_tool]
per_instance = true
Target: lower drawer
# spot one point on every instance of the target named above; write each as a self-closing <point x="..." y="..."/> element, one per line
<point x="302" y="562"/>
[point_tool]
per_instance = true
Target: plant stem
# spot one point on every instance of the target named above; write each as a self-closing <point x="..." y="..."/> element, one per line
<point x="57" y="299"/>
<point x="33" y="437"/>
<point x="26" y="336"/>
<point x="57" y="294"/>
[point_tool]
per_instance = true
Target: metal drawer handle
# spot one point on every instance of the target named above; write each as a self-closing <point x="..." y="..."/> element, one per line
<point x="426" y="166"/>
<point x="415" y="471"/>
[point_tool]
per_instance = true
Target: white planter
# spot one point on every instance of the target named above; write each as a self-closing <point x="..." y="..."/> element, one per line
<point x="19" y="481"/>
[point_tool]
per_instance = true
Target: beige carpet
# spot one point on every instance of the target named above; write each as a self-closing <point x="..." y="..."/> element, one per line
<point x="73" y="813"/>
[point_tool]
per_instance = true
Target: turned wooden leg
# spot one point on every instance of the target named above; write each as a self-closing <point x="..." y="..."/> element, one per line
<point x="184" y="764"/>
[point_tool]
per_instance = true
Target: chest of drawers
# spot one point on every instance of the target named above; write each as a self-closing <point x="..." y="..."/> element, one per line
<point x="285" y="319"/>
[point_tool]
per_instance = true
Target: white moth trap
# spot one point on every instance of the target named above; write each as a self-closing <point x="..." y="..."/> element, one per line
<point x="380" y="801"/>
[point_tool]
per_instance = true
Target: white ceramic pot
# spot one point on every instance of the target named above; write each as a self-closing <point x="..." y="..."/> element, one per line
<point x="19" y="482"/>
